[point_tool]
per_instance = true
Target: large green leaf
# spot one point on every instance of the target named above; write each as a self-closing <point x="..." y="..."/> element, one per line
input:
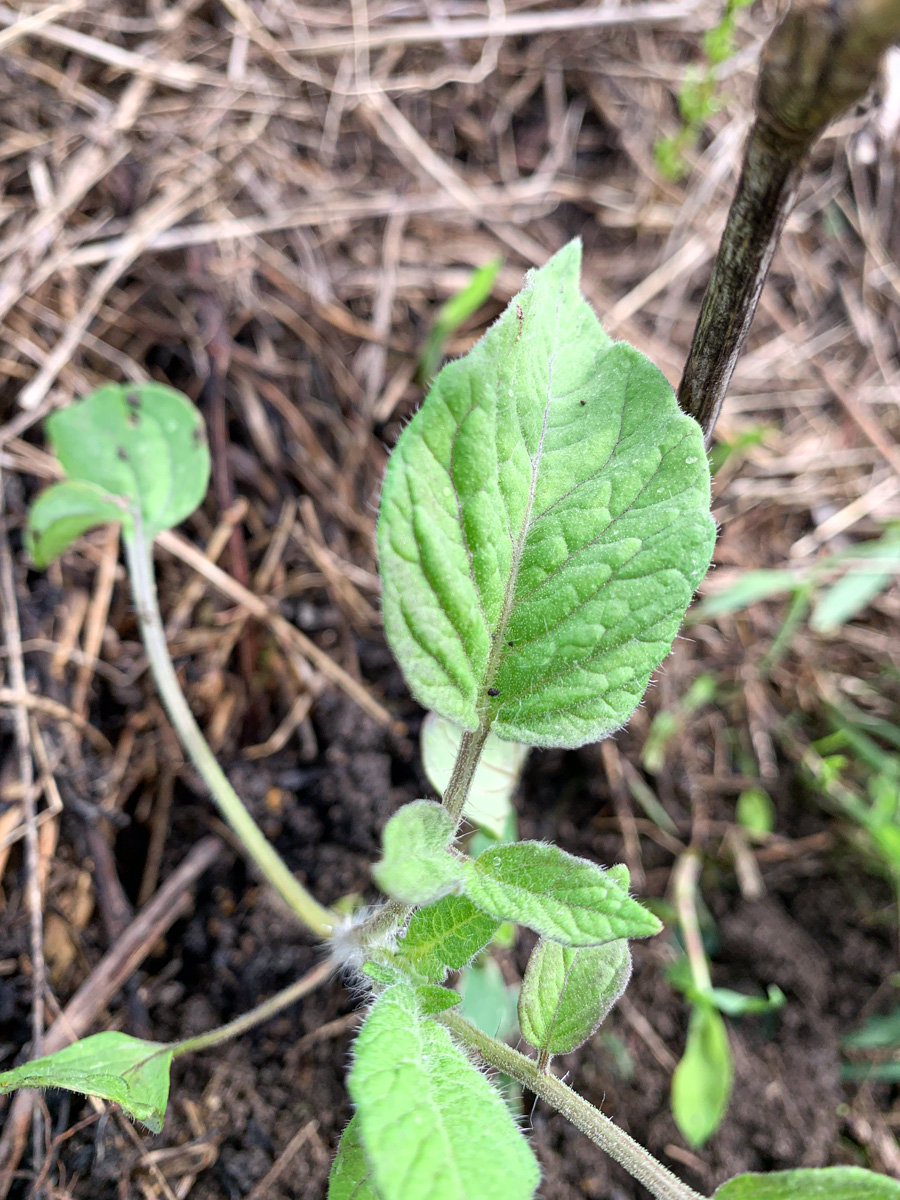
<point x="489" y="800"/>
<point x="446" y="935"/>
<point x="415" y="866"/>
<point x="351" y="1175"/>
<point x="544" y="523"/>
<point x="565" y="898"/>
<point x="141" y="446"/>
<point x="701" y="1085"/>
<point x="432" y="1126"/>
<point x="566" y="993"/>
<point x="822" y="1183"/>
<point x="114" y="1066"/>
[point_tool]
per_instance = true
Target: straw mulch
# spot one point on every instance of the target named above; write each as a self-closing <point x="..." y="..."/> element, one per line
<point x="263" y="202"/>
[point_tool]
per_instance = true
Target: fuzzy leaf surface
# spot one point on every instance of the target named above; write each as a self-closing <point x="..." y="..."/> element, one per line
<point x="415" y="866"/>
<point x="351" y="1175"/>
<point x="559" y="896"/>
<point x="815" y="1183"/>
<point x="432" y="1125"/>
<point x="489" y="801"/>
<point x="446" y="935"/>
<point x="544" y="523"/>
<point x="567" y="993"/>
<point x="113" y="1066"/>
<point x="701" y="1085"/>
<point x="142" y="444"/>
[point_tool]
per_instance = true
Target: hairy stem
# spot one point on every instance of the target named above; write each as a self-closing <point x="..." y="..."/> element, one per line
<point x="467" y="760"/>
<point x="262" y="1012"/>
<point x="639" y="1163"/>
<point x="318" y="920"/>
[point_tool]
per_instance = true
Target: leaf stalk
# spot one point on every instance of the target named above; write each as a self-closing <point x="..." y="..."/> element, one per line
<point x="318" y="919"/>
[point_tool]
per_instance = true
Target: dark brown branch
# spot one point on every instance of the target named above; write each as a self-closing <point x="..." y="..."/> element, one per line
<point x="822" y="58"/>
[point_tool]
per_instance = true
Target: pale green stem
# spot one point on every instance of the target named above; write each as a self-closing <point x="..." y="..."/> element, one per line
<point x="319" y="920"/>
<point x="639" y="1163"/>
<point x="467" y="760"/>
<point x="262" y="1012"/>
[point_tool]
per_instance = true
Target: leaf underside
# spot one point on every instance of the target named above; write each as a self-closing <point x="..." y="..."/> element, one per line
<point x="544" y="523"/>
<point x="432" y="1125"/>
<point x="113" y="1066"/>
<point x="822" y="1183"/>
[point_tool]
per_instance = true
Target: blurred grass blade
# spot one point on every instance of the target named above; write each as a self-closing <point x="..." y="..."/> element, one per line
<point x="452" y="314"/>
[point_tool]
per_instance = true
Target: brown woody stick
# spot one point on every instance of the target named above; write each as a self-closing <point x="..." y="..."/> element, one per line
<point x="822" y="58"/>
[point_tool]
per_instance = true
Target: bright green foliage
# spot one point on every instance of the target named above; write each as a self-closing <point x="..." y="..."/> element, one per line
<point x="544" y="523"/>
<point x="455" y="312"/>
<point x="351" y="1175"/>
<point x="381" y="973"/>
<point x="432" y="1126"/>
<point x="567" y="993"/>
<point x="143" y="445"/>
<point x="701" y="1085"/>
<point x="415" y="866"/>
<point x="433" y="998"/>
<point x="822" y="1183"/>
<point x="447" y="934"/>
<point x="756" y="812"/>
<point x="489" y="801"/>
<point x="739" y="1004"/>
<point x="113" y="1066"/>
<point x="559" y="896"/>
<point x="63" y="513"/>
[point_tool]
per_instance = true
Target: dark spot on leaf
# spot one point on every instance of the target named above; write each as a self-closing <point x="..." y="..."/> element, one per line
<point x="582" y="402"/>
<point x="197" y="435"/>
<point x="493" y="691"/>
<point x="132" y="399"/>
<point x="121" y="454"/>
<point x="510" y="643"/>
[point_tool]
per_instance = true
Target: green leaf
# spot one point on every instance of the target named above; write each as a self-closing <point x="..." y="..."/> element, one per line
<point x="487" y="1000"/>
<point x="822" y="1183"/>
<point x="701" y="1085"/>
<point x="432" y="1125"/>
<point x="434" y="999"/>
<point x="380" y="972"/>
<point x="351" y="1175"/>
<point x="489" y="801"/>
<point x="113" y="1066"/>
<point x="567" y="993"/>
<point x="755" y="812"/>
<point x="738" y="1004"/>
<point x="848" y="597"/>
<point x="454" y="313"/>
<point x="63" y="513"/>
<point x="544" y="523"/>
<point x="559" y="896"/>
<point x="143" y="443"/>
<point x="445" y="935"/>
<point x="415" y="866"/>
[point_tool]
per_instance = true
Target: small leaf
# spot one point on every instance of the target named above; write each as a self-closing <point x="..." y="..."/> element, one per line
<point x="848" y="597"/>
<point x="755" y="812"/>
<point x="445" y="935"/>
<point x="63" y="513"/>
<point x="819" y="1183"/>
<point x="559" y="896"/>
<point x="453" y="313"/>
<point x="434" y="999"/>
<point x="351" y="1175"/>
<point x="381" y="973"/>
<point x="567" y="993"/>
<point x="487" y="1000"/>
<point x="737" y="1004"/>
<point x="143" y="443"/>
<point x="701" y="1085"/>
<point x="416" y="867"/>
<point x="113" y="1066"/>
<point x="544" y="523"/>
<point x="432" y="1125"/>
<point x="489" y="801"/>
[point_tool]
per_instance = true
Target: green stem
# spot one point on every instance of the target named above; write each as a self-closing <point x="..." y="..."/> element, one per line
<point x="318" y="920"/>
<point x="639" y="1163"/>
<point x="262" y="1012"/>
<point x="467" y="760"/>
<point x="685" y="879"/>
